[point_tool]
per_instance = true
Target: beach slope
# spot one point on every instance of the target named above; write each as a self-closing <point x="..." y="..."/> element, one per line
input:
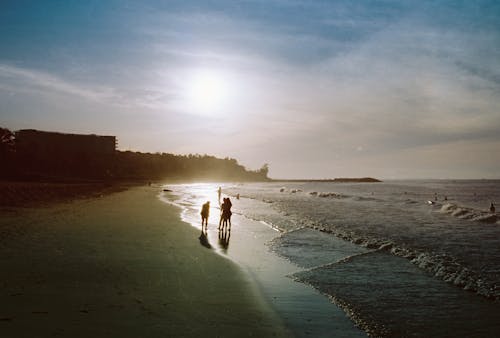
<point x="123" y="265"/>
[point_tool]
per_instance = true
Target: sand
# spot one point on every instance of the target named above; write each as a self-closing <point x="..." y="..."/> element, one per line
<point x="123" y="265"/>
<point x="303" y="309"/>
<point x="31" y="194"/>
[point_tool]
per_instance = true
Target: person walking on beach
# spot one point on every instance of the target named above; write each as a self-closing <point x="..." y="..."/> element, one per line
<point x="225" y="215"/>
<point x="219" y="193"/>
<point x="222" y="220"/>
<point x="205" y="210"/>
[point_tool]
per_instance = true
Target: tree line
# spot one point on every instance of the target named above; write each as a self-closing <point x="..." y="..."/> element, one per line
<point x="22" y="164"/>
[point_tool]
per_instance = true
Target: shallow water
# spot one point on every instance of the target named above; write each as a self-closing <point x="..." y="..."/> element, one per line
<point x="397" y="264"/>
<point x="302" y="308"/>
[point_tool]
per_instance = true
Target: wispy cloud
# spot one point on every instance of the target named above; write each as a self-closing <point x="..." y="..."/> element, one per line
<point x="27" y="79"/>
<point x="313" y="84"/>
<point x="16" y="79"/>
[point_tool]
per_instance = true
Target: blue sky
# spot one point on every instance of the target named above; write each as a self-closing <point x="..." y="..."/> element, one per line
<point x="392" y="89"/>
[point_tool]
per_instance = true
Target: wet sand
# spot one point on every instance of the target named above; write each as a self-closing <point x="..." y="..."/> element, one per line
<point x="123" y="265"/>
<point x="304" y="310"/>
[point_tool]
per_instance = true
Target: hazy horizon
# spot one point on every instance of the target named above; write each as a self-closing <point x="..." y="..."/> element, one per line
<point x="384" y="89"/>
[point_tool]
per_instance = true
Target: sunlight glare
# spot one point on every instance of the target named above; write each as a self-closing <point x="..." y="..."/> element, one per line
<point x="207" y="92"/>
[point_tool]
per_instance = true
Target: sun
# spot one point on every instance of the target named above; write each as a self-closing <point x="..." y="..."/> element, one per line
<point x="207" y="91"/>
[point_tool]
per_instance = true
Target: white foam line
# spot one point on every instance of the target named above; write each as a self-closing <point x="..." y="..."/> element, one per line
<point x="340" y="261"/>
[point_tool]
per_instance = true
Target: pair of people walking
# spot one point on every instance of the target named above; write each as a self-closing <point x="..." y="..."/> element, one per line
<point x="225" y="214"/>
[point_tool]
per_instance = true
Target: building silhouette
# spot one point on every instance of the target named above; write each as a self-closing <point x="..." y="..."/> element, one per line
<point x="51" y="155"/>
<point x="50" y="143"/>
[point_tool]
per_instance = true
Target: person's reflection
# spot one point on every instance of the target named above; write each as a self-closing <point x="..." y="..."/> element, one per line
<point x="224" y="235"/>
<point x="204" y="240"/>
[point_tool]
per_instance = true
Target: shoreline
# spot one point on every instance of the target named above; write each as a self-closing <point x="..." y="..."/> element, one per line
<point x="303" y="309"/>
<point x="121" y="265"/>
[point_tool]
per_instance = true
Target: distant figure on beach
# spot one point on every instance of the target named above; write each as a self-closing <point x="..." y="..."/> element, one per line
<point x="205" y="210"/>
<point x="225" y="213"/>
<point x="435" y="196"/>
<point x="237" y="196"/>
<point x="219" y="193"/>
<point x="492" y="208"/>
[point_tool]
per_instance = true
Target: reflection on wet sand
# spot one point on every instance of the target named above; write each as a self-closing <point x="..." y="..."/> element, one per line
<point x="224" y="236"/>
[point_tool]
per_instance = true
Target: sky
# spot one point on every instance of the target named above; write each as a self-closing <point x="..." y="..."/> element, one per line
<point x="316" y="89"/>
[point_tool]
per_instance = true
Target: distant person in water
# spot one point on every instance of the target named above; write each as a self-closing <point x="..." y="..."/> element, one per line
<point x="219" y="193"/>
<point x="225" y="213"/>
<point x="205" y="210"/>
<point x="492" y="208"/>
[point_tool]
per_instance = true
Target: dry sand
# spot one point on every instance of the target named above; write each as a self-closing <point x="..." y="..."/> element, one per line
<point x="123" y="265"/>
<point x="30" y="194"/>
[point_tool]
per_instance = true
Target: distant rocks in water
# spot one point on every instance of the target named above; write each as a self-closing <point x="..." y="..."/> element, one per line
<point x="326" y="194"/>
<point x="356" y="180"/>
<point x="334" y="180"/>
<point x="292" y="191"/>
<point x="329" y="194"/>
<point x="167" y="190"/>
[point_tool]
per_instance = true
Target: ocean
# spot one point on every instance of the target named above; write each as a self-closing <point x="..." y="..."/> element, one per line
<point x="399" y="258"/>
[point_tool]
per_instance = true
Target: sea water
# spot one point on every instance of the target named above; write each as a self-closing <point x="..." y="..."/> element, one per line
<point x="401" y="258"/>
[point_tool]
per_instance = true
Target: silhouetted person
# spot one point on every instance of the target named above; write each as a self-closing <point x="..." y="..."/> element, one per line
<point x="205" y="210"/>
<point x="219" y="193"/>
<point x="222" y="220"/>
<point x="225" y="214"/>
<point x="237" y="196"/>
<point x="492" y="208"/>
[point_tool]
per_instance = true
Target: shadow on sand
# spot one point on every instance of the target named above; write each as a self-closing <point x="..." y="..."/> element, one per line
<point x="204" y="240"/>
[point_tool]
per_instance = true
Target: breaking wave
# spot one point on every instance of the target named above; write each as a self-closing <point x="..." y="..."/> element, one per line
<point x="469" y="213"/>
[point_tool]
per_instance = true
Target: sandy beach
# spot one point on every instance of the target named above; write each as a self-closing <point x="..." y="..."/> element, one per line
<point x="33" y="194"/>
<point x="122" y="265"/>
<point x="304" y="311"/>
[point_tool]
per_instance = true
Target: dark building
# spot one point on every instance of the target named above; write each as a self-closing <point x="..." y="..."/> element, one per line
<point x="51" y="143"/>
<point x="51" y="155"/>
